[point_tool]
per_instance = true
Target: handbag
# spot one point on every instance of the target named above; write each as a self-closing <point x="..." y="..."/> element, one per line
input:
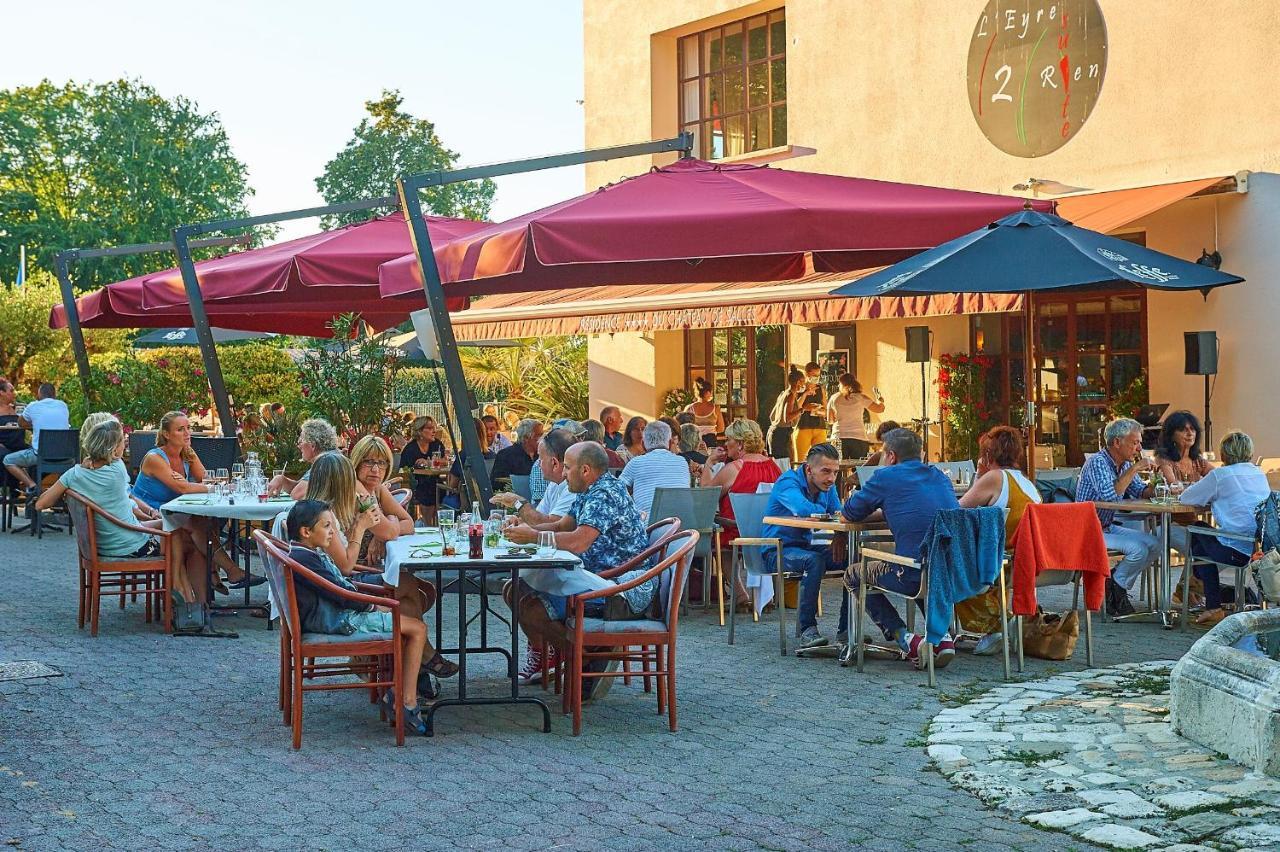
<point x="1050" y="635"/>
<point x="1266" y="573"/>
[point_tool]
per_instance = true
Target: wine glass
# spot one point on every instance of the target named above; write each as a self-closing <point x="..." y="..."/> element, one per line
<point x="222" y="475"/>
<point x="546" y="543"/>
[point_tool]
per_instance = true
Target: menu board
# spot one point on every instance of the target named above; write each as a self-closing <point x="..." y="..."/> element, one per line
<point x="1035" y="72"/>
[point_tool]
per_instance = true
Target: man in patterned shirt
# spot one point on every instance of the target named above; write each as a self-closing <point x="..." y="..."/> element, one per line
<point x="1112" y="475"/>
<point x="604" y="529"/>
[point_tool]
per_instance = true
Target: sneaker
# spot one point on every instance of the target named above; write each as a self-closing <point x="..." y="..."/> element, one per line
<point x="944" y="652"/>
<point x="915" y="646"/>
<point x="1118" y="603"/>
<point x="988" y="645"/>
<point x="811" y="638"/>
<point x="531" y="672"/>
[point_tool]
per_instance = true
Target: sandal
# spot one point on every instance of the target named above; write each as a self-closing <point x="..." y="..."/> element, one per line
<point x="440" y="667"/>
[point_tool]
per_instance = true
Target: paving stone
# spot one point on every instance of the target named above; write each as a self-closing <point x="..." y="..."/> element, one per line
<point x="1208" y="824"/>
<point x="1258" y="835"/>
<point x="1063" y="819"/>
<point x="1120" y="837"/>
<point x="1188" y="800"/>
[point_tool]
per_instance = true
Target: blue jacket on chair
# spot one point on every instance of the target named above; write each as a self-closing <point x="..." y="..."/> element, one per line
<point x="962" y="552"/>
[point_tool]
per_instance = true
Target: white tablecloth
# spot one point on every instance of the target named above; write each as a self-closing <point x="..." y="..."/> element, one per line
<point x="559" y="581"/>
<point x="209" y="506"/>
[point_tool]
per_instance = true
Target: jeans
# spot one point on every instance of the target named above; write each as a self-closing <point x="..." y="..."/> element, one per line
<point x="812" y="561"/>
<point x="1208" y="547"/>
<point x="896" y="578"/>
<point x="854" y="448"/>
<point x="1139" y="551"/>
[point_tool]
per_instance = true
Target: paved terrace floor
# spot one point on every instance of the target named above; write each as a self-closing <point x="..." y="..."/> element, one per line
<point x="156" y="742"/>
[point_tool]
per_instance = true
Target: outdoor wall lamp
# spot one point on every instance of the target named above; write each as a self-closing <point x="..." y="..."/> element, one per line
<point x="1210" y="258"/>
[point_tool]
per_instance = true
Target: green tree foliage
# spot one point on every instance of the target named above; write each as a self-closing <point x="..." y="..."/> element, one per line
<point x="389" y="144"/>
<point x="109" y="164"/>
<point x="348" y="380"/>
<point x="24" y="328"/>
<point x="544" y="378"/>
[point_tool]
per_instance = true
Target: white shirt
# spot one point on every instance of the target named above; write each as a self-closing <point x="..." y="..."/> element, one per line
<point x="655" y="469"/>
<point x="1233" y="492"/>
<point x="845" y="415"/>
<point x="46" y="414"/>
<point x="557" y="499"/>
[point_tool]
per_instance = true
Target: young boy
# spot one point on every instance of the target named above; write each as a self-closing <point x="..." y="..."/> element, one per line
<point x="311" y="526"/>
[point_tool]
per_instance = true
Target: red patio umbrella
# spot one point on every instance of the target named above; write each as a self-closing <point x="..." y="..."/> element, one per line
<point x="695" y="221"/>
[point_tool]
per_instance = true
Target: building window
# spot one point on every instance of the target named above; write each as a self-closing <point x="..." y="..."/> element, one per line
<point x="726" y="358"/>
<point x="733" y="86"/>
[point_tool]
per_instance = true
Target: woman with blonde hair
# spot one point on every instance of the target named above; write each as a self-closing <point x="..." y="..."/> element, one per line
<point x="333" y="481"/>
<point x="371" y="458"/>
<point x="172" y="469"/>
<point x="424" y="442"/>
<point x="745" y="467"/>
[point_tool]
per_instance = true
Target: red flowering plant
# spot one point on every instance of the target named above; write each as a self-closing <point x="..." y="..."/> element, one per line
<point x="962" y="386"/>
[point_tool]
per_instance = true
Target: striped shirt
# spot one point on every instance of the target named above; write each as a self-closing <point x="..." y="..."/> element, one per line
<point x="1098" y="484"/>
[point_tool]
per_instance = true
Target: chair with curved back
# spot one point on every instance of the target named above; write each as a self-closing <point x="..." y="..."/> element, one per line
<point x="118" y="575"/>
<point x="520" y="485"/>
<point x="403" y="496"/>
<point x="300" y="652"/>
<point x="696" y="508"/>
<point x="751" y="549"/>
<point x="655" y="637"/>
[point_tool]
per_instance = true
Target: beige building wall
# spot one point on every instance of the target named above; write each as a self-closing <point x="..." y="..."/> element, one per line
<point x="633" y="370"/>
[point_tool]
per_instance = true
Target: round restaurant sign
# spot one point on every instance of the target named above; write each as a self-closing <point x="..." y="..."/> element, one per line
<point x="1035" y="71"/>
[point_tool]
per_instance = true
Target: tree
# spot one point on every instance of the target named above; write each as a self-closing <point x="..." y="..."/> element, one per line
<point x="387" y="145"/>
<point x="108" y="164"/>
<point x="544" y="378"/>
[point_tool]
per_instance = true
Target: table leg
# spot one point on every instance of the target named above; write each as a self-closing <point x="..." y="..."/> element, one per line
<point x="1162" y="582"/>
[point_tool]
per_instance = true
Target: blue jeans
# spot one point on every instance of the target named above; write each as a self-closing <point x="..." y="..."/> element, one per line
<point x="898" y="578"/>
<point x="813" y="561"/>
<point x="1210" y="548"/>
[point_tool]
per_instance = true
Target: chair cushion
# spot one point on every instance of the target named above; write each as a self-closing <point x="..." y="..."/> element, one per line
<point x="338" y="638"/>
<point x="639" y="625"/>
<point x="150" y="560"/>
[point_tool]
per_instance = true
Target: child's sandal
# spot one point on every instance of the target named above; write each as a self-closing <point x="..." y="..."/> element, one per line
<point x="440" y="667"/>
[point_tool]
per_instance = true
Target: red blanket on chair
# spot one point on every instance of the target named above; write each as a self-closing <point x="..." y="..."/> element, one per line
<point x="1058" y="537"/>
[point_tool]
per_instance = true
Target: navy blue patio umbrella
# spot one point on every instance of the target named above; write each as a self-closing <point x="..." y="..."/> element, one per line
<point x="187" y="337"/>
<point x="1026" y="252"/>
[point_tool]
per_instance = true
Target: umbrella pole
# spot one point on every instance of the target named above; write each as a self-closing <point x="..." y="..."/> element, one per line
<point x="1029" y="372"/>
<point x="78" y="349"/>
<point x="200" y="319"/>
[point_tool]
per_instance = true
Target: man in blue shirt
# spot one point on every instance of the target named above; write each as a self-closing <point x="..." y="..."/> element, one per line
<point x="907" y="494"/>
<point x="809" y="489"/>
<point x="1109" y="476"/>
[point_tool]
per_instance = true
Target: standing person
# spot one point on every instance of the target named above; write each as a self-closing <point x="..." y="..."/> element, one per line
<point x="1109" y="476"/>
<point x="1233" y="492"/>
<point x="998" y="483"/>
<point x="787" y="409"/>
<point x="611" y="419"/>
<point x="657" y="468"/>
<point x="518" y="458"/>
<point x="707" y="416"/>
<point x="812" y="427"/>
<point x="47" y="412"/>
<point x="1178" y="457"/>
<point x="633" y="439"/>
<point x="845" y="410"/>
<point x="907" y="493"/>
<point x="416" y="455"/>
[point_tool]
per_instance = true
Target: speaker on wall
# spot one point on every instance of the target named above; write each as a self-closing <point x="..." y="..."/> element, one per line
<point x="917" y="344"/>
<point x="1202" y="353"/>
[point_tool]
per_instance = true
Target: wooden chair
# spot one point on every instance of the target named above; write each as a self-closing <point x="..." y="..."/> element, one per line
<point x="118" y="575"/>
<point x="618" y="640"/>
<point x="300" y="653"/>
<point x="403" y="496"/>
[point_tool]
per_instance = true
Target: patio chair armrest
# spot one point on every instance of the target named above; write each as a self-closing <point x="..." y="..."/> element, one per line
<point x="886" y="556"/>
<point x="1217" y="533"/>
<point x="661" y="565"/>
<point x="125" y="525"/>
<point x="756" y="542"/>
<point x="346" y="594"/>
<point x="371" y="588"/>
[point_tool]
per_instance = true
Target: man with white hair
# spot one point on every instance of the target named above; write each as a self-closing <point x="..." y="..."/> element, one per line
<point x="657" y="468"/>
<point x="1112" y="475"/>
<point x="518" y="459"/>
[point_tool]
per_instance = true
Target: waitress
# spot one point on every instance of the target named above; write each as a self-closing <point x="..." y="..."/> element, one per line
<point x="812" y="427"/>
<point x="706" y="414"/>
<point x="845" y="411"/>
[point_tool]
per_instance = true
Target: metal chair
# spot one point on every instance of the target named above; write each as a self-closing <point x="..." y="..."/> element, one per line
<point x="59" y="452"/>
<point x="1241" y="571"/>
<point x="865" y="472"/>
<point x="216" y="452"/>
<point x="749" y="549"/>
<point x="402" y="496"/>
<point x="696" y="509"/>
<point x="139" y="444"/>
<point x="520" y="485"/>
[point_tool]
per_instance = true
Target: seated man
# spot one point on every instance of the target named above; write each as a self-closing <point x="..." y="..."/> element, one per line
<point x="657" y="468"/>
<point x="906" y="494"/>
<point x="316" y="436"/>
<point x="809" y="489"/>
<point x="557" y="500"/>
<point x="605" y="530"/>
<point x="494" y="441"/>
<point x="47" y="412"/>
<point x="1112" y="475"/>
<point x="518" y="458"/>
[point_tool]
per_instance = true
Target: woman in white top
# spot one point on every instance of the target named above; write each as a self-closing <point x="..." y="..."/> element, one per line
<point x="707" y="416"/>
<point x="844" y="413"/>
<point x="1233" y="492"/>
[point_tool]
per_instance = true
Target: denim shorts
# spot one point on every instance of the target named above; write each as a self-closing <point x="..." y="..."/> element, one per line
<point x="22" y="458"/>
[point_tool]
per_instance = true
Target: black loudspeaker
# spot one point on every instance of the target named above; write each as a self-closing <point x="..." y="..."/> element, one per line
<point x="917" y="344"/>
<point x="1202" y="353"/>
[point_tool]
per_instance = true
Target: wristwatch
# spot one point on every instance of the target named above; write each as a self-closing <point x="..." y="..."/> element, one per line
<point x="519" y="504"/>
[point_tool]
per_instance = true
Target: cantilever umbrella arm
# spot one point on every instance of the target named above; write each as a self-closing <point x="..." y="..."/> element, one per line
<point x="408" y="188"/>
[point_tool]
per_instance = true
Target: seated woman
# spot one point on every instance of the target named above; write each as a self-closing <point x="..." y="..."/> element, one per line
<point x="102" y="478"/>
<point x="633" y="439"/>
<point x="311" y="527"/>
<point x="745" y="468"/>
<point x="998" y="483"/>
<point x="1233" y="492"/>
<point x="453" y="484"/>
<point x="692" y="448"/>
<point x="1178" y="457"/>
<point x="883" y="429"/>
<point x="333" y="481"/>
<point x="172" y="469"/>
<point x="371" y="458"/>
<point x="416" y="455"/>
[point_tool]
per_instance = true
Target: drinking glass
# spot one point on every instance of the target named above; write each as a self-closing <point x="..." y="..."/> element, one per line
<point x="277" y="473"/>
<point x="546" y="543"/>
<point x="498" y="515"/>
<point x="222" y="475"/>
<point x="446" y="516"/>
<point x="237" y="470"/>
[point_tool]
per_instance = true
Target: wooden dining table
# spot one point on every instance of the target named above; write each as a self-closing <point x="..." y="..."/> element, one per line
<point x="1163" y="510"/>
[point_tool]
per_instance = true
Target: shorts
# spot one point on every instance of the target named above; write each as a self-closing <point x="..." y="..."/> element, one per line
<point x="557" y="606"/>
<point x="22" y="458"/>
<point x="369" y="622"/>
<point x="148" y="550"/>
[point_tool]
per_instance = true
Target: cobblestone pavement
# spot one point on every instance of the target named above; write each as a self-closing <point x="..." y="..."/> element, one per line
<point x="1094" y="754"/>
<point x="157" y="742"/>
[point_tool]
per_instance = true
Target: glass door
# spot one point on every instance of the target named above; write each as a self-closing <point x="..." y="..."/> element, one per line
<point x="726" y="358"/>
